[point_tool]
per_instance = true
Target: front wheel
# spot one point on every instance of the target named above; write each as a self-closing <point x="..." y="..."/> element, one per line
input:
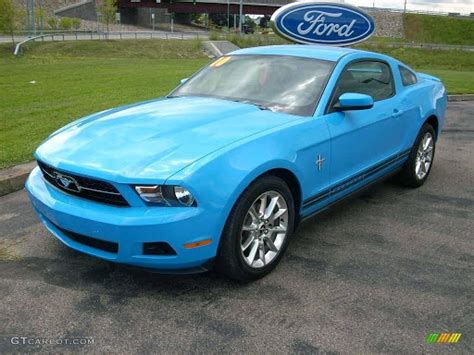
<point x="418" y="167"/>
<point x="257" y="231"/>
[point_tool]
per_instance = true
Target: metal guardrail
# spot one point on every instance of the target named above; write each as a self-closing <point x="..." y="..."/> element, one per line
<point x="18" y="45"/>
<point x="71" y="36"/>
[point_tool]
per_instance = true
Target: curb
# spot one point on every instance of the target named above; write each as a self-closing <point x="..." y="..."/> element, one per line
<point x="212" y="48"/>
<point x="458" y="98"/>
<point x="13" y="179"/>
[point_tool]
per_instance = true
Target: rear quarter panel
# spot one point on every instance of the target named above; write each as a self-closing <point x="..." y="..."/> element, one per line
<point x="428" y="97"/>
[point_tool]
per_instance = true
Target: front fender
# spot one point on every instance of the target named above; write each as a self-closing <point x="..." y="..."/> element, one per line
<point x="217" y="180"/>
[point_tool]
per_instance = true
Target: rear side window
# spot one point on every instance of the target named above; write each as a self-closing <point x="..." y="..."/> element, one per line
<point x="408" y="77"/>
<point x="367" y="77"/>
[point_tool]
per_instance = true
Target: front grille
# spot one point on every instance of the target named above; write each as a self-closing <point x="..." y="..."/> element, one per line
<point x="158" y="248"/>
<point x="81" y="186"/>
<point x="104" y="245"/>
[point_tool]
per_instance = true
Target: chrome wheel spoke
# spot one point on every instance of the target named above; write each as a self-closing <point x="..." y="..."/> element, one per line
<point x="250" y="228"/>
<point x="418" y="168"/>
<point x="278" y="229"/>
<point x="271" y="207"/>
<point x="253" y="253"/>
<point x="263" y="205"/>
<point x="248" y="242"/>
<point x="270" y="244"/>
<point x="427" y="142"/>
<point x="261" y="253"/>
<point x="278" y="214"/>
<point x="253" y="213"/>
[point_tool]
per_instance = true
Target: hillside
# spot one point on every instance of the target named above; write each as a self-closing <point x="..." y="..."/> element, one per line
<point x="439" y="29"/>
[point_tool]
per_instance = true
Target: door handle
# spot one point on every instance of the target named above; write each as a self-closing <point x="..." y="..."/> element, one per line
<point x="397" y="113"/>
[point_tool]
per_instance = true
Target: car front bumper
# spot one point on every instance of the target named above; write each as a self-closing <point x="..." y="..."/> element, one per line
<point x="128" y="228"/>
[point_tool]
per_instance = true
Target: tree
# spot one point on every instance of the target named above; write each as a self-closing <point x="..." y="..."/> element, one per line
<point x="250" y="23"/>
<point x="65" y="23"/>
<point x="8" y="17"/>
<point x="264" y="22"/>
<point x="52" y="22"/>
<point x="76" y="23"/>
<point x="107" y="10"/>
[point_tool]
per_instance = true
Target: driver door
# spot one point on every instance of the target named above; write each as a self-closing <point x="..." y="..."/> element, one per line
<point x="362" y="139"/>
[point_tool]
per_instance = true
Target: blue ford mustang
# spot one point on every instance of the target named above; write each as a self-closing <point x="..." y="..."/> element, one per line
<point x="220" y="172"/>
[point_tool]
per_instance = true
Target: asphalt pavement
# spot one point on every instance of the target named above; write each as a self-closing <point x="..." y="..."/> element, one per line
<point x="376" y="274"/>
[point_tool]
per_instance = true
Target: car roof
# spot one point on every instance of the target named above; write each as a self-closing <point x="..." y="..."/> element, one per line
<point x="300" y="50"/>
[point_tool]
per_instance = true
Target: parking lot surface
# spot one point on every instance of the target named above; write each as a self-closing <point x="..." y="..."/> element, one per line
<point x="378" y="273"/>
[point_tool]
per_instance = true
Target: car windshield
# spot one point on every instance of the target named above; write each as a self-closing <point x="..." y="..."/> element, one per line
<point x="277" y="83"/>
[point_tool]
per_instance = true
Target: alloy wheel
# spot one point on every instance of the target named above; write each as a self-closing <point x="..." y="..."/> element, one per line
<point x="264" y="230"/>
<point x="424" y="156"/>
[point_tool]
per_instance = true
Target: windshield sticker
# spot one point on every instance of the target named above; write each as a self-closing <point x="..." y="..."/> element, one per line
<point x="220" y="62"/>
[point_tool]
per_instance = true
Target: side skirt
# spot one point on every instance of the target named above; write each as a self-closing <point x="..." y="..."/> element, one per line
<point x="396" y="162"/>
<point x="351" y="195"/>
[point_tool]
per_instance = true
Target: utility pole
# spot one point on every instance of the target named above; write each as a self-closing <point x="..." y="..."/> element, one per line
<point x="41" y="14"/>
<point x="228" y="15"/>
<point x="30" y="17"/>
<point x="405" y="7"/>
<point x="241" y="10"/>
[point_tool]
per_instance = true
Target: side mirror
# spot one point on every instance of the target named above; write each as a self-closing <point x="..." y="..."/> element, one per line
<point x="353" y="101"/>
<point x="184" y="80"/>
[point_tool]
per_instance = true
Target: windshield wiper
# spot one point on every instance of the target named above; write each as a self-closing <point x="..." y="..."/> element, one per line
<point x="260" y="106"/>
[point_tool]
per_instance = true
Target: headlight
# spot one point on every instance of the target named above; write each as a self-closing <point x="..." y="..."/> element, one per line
<point x="183" y="196"/>
<point x="166" y="195"/>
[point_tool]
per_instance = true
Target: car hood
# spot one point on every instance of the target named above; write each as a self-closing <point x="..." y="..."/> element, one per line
<point x="151" y="141"/>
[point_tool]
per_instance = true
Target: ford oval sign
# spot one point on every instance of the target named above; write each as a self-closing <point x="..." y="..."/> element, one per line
<point x="323" y="23"/>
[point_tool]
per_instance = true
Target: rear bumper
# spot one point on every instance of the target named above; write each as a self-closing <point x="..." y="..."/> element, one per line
<point x="126" y="227"/>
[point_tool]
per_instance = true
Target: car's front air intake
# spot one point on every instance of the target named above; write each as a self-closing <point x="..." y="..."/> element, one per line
<point x="158" y="248"/>
<point x="95" y="243"/>
<point x="81" y="186"/>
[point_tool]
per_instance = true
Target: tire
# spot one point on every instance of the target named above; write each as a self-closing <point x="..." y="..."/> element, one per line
<point x="246" y="227"/>
<point x="411" y="175"/>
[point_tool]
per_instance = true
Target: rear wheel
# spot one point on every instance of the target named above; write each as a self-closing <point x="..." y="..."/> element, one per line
<point x="418" y="167"/>
<point x="257" y="231"/>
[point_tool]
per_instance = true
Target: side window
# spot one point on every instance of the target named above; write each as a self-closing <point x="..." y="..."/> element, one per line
<point x="408" y="77"/>
<point x="367" y="77"/>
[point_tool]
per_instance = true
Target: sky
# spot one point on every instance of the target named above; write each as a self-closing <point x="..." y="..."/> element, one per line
<point x="462" y="6"/>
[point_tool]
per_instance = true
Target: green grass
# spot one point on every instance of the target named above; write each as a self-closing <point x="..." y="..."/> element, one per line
<point x="454" y="67"/>
<point x="74" y="79"/>
<point x="439" y="29"/>
<point x="425" y="58"/>
<point x="457" y="82"/>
